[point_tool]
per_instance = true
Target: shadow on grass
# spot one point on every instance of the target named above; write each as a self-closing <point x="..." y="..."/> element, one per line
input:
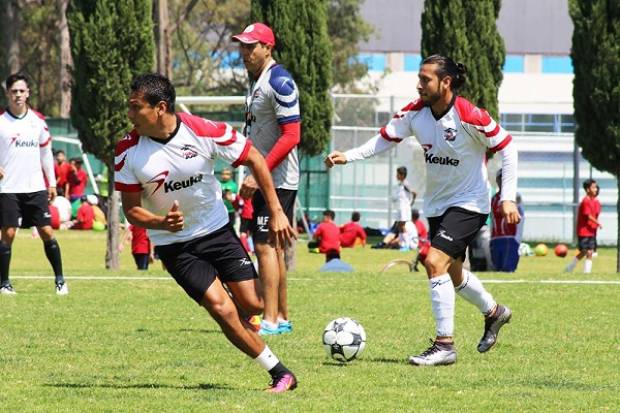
<point x="200" y="386"/>
<point x="384" y="360"/>
<point x="199" y="330"/>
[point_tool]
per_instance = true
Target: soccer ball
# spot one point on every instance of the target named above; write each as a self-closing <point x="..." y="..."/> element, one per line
<point x="344" y="339"/>
<point x="540" y="250"/>
<point x="561" y="250"/>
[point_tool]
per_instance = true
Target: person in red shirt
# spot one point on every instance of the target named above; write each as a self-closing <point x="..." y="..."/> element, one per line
<point x="140" y="246"/>
<point x="62" y="168"/>
<point x="54" y="216"/>
<point x="352" y="231"/>
<point x="246" y="211"/>
<point x="85" y="216"/>
<point x="424" y="244"/>
<point x="587" y="226"/>
<point x="77" y="180"/>
<point x="327" y="237"/>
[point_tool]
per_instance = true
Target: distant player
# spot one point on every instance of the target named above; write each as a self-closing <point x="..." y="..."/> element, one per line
<point x="505" y="237"/>
<point x="273" y="123"/>
<point x="25" y="149"/>
<point x="455" y="136"/>
<point x="352" y="232"/>
<point x="587" y="226"/>
<point x="164" y="170"/>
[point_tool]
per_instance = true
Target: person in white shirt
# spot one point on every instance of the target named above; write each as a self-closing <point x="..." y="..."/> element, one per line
<point x="273" y="123"/>
<point x="404" y="195"/>
<point x="455" y="136"/>
<point x="25" y="150"/>
<point x="164" y="169"/>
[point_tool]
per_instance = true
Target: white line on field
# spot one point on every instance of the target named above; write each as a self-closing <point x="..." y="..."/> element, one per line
<point x="490" y="281"/>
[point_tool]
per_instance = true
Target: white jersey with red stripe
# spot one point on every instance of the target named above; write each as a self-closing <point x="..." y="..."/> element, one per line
<point x="272" y="101"/>
<point x="181" y="169"/>
<point x="454" y="151"/>
<point x="25" y="150"/>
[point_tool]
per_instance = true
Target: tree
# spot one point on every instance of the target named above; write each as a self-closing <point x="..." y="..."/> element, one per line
<point x="304" y="49"/>
<point x="66" y="62"/>
<point x="596" y="95"/>
<point x="347" y="29"/>
<point x="111" y="43"/>
<point x="481" y="49"/>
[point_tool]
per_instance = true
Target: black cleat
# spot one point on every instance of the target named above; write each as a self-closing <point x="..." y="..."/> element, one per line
<point x="492" y="324"/>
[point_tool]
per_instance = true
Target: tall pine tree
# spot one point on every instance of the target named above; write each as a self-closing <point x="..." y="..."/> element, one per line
<point x="112" y="42"/>
<point x="303" y="47"/>
<point x="596" y="95"/>
<point x="466" y="31"/>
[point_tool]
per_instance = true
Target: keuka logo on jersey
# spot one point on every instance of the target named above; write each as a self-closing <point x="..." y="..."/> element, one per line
<point x="441" y="160"/>
<point x="172" y="186"/>
<point x="20" y="143"/>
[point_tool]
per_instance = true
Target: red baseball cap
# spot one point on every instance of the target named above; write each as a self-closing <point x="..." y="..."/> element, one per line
<point x="256" y="32"/>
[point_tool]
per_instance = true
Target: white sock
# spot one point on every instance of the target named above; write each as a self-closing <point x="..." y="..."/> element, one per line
<point x="587" y="266"/>
<point x="473" y="291"/>
<point x="571" y="266"/>
<point x="266" y="359"/>
<point x="442" y="300"/>
<point x="269" y="324"/>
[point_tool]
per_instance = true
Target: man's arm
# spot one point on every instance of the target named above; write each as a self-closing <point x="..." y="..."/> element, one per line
<point x="289" y="138"/>
<point x="137" y="215"/>
<point x="279" y="226"/>
<point x="375" y="145"/>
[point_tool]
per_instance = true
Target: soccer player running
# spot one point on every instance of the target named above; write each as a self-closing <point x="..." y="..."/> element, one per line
<point x="25" y="150"/>
<point x="587" y="226"/>
<point x="165" y="166"/>
<point x="455" y="136"/>
<point x="273" y="123"/>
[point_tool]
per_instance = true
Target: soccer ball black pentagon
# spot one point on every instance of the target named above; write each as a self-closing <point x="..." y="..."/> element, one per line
<point x="344" y="339"/>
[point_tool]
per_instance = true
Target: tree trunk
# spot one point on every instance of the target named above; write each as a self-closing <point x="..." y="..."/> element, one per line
<point x="11" y="29"/>
<point x="112" y="261"/>
<point x="66" y="61"/>
<point x="618" y="223"/>
<point x="162" y="38"/>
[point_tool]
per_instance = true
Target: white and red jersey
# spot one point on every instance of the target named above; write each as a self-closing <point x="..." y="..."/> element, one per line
<point x="454" y="151"/>
<point x="182" y="169"/>
<point x="272" y="101"/>
<point x="25" y="150"/>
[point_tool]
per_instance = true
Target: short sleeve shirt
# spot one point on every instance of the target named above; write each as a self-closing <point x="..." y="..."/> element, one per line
<point x="588" y="206"/>
<point x="181" y="169"/>
<point x="22" y="141"/>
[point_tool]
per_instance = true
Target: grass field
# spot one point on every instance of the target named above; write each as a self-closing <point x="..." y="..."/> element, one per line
<point x="130" y="345"/>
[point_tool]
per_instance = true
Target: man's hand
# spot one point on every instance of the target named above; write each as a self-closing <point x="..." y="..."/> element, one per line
<point x="51" y="193"/>
<point x="280" y="231"/>
<point x="335" y="158"/>
<point x="248" y="187"/>
<point x="173" y="221"/>
<point x="1" y="173"/>
<point x="510" y="212"/>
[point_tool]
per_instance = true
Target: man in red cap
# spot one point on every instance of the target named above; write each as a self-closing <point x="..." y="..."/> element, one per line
<point x="273" y="123"/>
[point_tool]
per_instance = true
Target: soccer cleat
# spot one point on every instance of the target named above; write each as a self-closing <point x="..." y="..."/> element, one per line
<point x="285" y="326"/>
<point x="267" y="329"/>
<point x="254" y="321"/>
<point x="7" y="290"/>
<point x="438" y="354"/>
<point x="62" y="289"/>
<point x="492" y="324"/>
<point x="285" y="382"/>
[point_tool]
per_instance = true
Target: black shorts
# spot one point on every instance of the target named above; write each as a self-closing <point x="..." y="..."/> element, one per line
<point x="586" y="243"/>
<point x="195" y="264"/>
<point x="453" y="231"/>
<point x="25" y="210"/>
<point x="259" y="227"/>
<point x="245" y="225"/>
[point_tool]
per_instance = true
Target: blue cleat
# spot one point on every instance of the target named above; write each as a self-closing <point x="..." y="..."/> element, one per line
<point x="285" y="326"/>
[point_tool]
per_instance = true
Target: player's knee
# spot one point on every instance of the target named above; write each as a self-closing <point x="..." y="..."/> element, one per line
<point x="222" y="311"/>
<point x="254" y="306"/>
<point x="435" y="264"/>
